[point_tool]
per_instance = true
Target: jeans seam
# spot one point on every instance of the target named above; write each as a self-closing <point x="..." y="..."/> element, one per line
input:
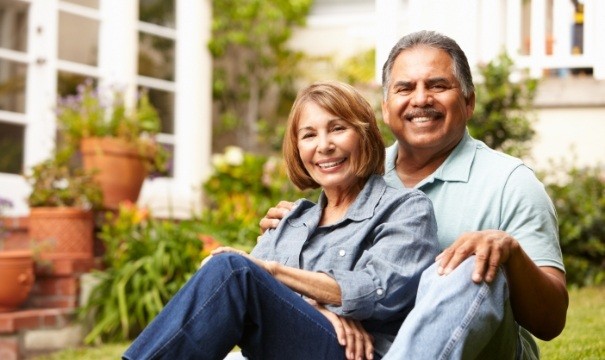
<point x="463" y="327"/>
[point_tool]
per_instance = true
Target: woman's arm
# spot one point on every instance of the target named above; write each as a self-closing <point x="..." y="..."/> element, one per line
<point x="317" y="286"/>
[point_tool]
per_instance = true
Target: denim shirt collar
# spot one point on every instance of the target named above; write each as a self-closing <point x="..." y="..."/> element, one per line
<point x="456" y="168"/>
<point x="362" y="208"/>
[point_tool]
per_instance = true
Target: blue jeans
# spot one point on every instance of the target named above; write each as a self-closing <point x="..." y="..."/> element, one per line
<point x="231" y="301"/>
<point x="454" y="318"/>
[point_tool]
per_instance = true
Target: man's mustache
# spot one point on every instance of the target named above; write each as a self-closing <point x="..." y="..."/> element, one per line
<point x="424" y="112"/>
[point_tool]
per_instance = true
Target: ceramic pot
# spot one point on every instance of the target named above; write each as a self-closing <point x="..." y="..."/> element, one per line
<point x="62" y="232"/>
<point x="17" y="274"/>
<point x="119" y="168"/>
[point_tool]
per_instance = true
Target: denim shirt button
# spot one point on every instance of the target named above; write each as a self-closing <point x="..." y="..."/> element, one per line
<point x="379" y="292"/>
<point x="342" y="252"/>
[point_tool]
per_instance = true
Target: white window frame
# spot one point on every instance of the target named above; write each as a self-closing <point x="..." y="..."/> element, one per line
<point x="178" y="196"/>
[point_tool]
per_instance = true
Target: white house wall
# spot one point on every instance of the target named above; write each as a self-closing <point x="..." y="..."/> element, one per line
<point x="480" y="28"/>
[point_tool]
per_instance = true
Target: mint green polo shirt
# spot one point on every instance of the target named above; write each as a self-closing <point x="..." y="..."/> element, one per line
<point x="477" y="188"/>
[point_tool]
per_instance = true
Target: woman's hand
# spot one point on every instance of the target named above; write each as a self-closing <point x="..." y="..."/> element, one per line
<point x="269" y="266"/>
<point x="358" y="343"/>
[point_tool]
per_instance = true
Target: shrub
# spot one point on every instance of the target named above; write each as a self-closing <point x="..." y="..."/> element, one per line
<point x="147" y="261"/>
<point x="239" y="193"/>
<point x="579" y="197"/>
<point x="502" y="116"/>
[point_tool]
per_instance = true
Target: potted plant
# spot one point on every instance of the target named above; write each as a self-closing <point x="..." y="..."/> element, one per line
<point x="115" y="140"/>
<point x="16" y="271"/>
<point x="61" y="203"/>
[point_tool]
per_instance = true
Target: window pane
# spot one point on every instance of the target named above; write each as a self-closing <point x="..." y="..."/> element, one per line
<point x="11" y="148"/>
<point x="156" y="57"/>
<point x="67" y="83"/>
<point x="159" y="12"/>
<point x="78" y="39"/>
<point x="89" y="3"/>
<point x="12" y="86"/>
<point x="164" y="103"/>
<point x="13" y="25"/>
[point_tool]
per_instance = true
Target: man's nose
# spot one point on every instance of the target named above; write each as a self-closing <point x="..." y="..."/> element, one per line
<point x="421" y="97"/>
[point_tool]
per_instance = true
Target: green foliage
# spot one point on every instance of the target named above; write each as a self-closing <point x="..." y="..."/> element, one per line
<point x="579" y="197"/>
<point x="253" y="68"/>
<point x="358" y="69"/>
<point x="92" y="113"/>
<point x="239" y="193"/>
<point x="54" y="183"/>
<point x="147" y="261"/>
<point x="502" y="110"/>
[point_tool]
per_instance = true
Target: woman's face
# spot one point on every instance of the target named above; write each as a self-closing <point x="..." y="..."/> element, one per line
<point x="328" y="147"/>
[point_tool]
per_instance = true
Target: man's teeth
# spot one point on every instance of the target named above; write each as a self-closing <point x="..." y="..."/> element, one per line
<point x="421" y="119"/>
<point x="331" y="164"/>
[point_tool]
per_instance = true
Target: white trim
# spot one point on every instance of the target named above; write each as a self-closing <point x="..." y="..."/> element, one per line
<point x="16" y="56"/>
<point x="79" y="10"/>
<point x="157" y="30"/>
<point x="165" y="138"/>
<point x="78" y="68"/>
<point x="13" y="117"/>
<point x="155" y="83"/>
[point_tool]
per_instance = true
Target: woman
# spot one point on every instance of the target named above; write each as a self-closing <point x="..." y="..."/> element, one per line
<point x="357" y="253"/>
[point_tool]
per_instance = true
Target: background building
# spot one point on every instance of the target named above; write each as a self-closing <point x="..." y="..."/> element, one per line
<point x="48" y="45"/>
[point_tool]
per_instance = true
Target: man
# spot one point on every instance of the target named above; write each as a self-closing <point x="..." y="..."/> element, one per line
<point x="497" y="225"/>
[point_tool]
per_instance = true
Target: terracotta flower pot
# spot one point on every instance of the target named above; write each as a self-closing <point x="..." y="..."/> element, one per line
<point x="17" y="274"/>
<point x="120" y="168"/>
<point x="62" y="232"/>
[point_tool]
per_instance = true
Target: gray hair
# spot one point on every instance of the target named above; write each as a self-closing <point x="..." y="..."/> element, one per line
<point x="433" y="39"/>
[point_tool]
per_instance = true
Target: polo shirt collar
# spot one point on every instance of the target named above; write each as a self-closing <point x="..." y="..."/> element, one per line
<point x="457" y="166"/>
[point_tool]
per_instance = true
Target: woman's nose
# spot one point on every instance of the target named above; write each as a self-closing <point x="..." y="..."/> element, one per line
<point x="325" y="144"/>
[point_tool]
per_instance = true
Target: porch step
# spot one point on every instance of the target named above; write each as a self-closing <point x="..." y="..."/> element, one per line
<point x="47" y="321"/>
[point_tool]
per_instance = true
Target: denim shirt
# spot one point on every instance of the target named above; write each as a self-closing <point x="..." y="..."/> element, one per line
<point x="376" y="252"/>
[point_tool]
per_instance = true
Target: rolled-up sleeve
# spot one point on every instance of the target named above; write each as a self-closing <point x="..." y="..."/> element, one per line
<point x="402" y="239"/>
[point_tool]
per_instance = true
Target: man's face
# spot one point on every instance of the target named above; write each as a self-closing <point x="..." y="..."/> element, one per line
<point x="425" y="107"/>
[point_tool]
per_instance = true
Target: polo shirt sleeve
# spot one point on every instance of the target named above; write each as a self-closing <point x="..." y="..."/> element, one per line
<point x="528" y="215"/>
<point x="384" y="280"/>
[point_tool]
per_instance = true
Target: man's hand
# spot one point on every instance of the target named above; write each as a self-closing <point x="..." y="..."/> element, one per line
<point x="274" y="215"/>
<point x="492" y="248"/>
<point x="350" y="333"/>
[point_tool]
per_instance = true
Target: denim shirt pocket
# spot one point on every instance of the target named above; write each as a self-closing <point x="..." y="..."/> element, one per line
<point x="341" y="258"/>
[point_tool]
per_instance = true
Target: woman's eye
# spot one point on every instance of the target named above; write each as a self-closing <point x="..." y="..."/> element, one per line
<point x="307" y="135"/>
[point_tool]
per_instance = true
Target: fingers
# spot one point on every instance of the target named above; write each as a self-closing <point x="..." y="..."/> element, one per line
<point x="274" y="215"/>
<point x="363" y="342"/>
<point x="226" y="249"/>
<point x="286" y="205"/>
<point x="490" y="247"/>
<point x="335" y="320"/>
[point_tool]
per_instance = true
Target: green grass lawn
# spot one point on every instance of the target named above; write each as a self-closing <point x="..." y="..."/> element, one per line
<point x="582" y="339"/>
<point x="584" y="334"/>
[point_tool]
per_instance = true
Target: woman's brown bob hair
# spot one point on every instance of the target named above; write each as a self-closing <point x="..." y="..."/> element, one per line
<point x="346" y="103"/>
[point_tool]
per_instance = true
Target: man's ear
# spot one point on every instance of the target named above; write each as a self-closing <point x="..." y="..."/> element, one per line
<point x="470" y="105"/>
<point x="385" y="112"/>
